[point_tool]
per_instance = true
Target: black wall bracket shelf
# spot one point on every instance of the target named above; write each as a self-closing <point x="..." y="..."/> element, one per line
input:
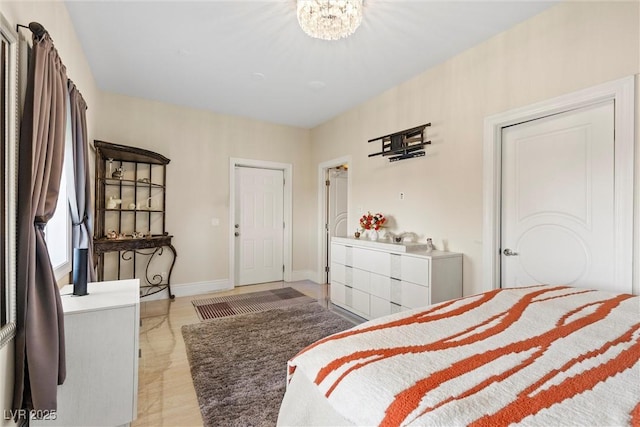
<point x="405" y="144"/>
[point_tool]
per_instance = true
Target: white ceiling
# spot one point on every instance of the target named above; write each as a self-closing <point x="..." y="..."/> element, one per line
<point x="250" y="58"/>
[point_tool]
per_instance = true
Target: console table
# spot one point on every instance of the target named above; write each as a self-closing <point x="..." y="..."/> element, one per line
<point x="373" y="279"/>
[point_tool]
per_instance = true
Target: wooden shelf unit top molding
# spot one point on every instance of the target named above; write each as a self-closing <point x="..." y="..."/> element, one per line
<point x="405" y="144"/>
<point x="125" y="153"/>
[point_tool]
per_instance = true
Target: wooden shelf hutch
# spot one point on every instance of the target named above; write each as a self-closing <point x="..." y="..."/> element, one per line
<point x="130" y="237"/>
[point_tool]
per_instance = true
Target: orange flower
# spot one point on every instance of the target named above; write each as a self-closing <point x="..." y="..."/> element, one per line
<point x="372" y="222"/>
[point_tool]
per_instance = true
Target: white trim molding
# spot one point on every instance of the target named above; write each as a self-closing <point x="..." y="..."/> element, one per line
<point x="322" y="209"/>
<point x="287" y="169"/>
<point x="190" y="289"/>
<point x="10" y="193"/>
<point x="302" y="275"/>
<point x="622" y="92"/>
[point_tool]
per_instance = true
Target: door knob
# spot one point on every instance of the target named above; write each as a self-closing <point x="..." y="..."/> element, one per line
<point x="237" y="225"/>
<point x="237" y="233"/>
<point x="509" y="252"/>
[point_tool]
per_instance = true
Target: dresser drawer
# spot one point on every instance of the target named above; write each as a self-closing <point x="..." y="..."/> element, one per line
<point x="374" y="261"/>
<point x="338" y="253"/>
<point x="395" y="269"/>
<point x="395" y="291"/>
<point x="338" y="273"/>
<point x="396" y="308"/>
<point x="413" y="296"/>
<point x="361" y="280"/>
<point x="379" y="307"/>
<point x="415" y="270"/>
<point x="348" y="296"/>
<point x="360" y="302"/>
<point x="338" y="293"/>
<point x="380" y="286"/>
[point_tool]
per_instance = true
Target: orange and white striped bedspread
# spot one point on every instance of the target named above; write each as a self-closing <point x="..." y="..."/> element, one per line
<point x="536" y="356"/>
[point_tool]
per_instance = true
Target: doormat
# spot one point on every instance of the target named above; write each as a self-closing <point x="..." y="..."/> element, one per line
<point x="213" y="308"/>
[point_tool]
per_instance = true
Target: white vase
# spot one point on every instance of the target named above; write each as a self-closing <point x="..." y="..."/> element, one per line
<point x="373" y="235"/>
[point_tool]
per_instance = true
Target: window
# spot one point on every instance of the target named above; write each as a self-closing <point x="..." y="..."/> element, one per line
<point x="8" y="182"/>
<point x="58" y="231"/>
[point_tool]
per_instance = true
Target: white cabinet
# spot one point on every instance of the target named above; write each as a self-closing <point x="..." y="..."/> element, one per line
<point x="373" y="279"/>
<point x="101" y="335"/>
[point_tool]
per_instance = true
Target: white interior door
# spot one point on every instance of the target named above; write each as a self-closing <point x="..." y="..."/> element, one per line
<point x="337" y="212"/>
<point x="259" y="225"/>
<point x="558" y="200"/>
<point x="338" y="195"/>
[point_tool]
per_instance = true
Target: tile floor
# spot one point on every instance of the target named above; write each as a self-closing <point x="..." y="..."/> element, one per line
<point x="166" y="396"/>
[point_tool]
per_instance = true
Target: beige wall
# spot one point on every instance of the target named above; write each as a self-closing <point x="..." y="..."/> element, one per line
<point x="54" y="17"/>
<point x="200" y="145"/>
<point x="569" y="47"/>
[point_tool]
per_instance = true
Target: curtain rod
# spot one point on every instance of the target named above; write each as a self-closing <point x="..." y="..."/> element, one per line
<point x="36" y="28"/>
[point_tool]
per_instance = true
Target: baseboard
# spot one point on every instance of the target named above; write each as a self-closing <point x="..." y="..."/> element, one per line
<point x="199" y="288"/>
<point x="300" y="275"/>
<point x="190" y="289"/>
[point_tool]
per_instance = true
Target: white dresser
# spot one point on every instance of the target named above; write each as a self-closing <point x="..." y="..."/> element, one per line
<point x="102" y="338"/>
<point x="373" y="279"/>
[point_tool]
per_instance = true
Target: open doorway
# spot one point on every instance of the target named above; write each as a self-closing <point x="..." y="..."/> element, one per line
<point x="335" y="209"/>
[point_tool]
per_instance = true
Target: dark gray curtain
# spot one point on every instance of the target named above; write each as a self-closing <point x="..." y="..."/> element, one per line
<point x="79" y="188"/>
<point x="39" y="345"/>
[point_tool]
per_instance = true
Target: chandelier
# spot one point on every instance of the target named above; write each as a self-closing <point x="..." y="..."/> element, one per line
<point x="329" y="19"/>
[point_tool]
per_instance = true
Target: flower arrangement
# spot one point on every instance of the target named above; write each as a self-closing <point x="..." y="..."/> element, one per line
<point x="372" y="222"/>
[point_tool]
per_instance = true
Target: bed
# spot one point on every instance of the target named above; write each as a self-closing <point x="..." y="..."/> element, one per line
<point x="541" y="355"/>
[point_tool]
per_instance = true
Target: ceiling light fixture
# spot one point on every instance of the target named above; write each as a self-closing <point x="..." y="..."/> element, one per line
<point x="329" y="19"/>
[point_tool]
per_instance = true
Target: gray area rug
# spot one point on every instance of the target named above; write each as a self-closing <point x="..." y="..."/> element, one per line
<point x="239" y="363"/>
<point x="212" y="308"/>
